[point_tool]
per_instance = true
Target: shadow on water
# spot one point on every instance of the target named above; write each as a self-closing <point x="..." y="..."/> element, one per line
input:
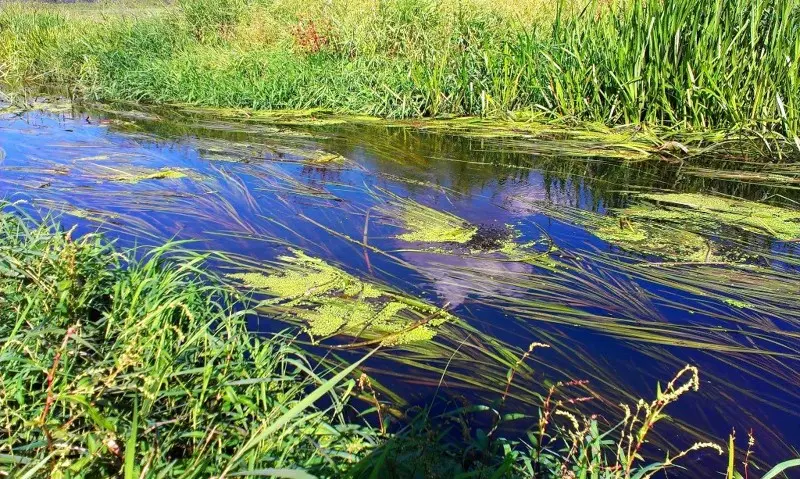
<point x="621" y="317"/>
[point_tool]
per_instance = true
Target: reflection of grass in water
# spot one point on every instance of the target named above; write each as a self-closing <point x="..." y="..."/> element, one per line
<point x="331" y="301"/>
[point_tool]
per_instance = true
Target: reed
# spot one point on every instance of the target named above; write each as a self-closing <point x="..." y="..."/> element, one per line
<point x="690" y="65"/>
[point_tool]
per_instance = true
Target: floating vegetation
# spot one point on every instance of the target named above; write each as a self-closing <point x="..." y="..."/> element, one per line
<point x="442" y="232"/>
<point x="423" y="224"/>
<point x="94" y="215"/>
<point x="684" y="227"/>
<point x="139" y="175"/>
<point x="324" y="158"/>
<point x="760" y="218"/>
<point x="46" y="105"/>
<point x="653" y="239"/>
<point x="329" y="302"/>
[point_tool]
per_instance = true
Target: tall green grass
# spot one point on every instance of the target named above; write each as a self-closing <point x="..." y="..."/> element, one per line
<point x="117" y="367"/>
<point x="686" y="64"/>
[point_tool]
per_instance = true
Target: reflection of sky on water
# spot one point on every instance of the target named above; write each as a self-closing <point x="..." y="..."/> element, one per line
<point x="449" y="275"/>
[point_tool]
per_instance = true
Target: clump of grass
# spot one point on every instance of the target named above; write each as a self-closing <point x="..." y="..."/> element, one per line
<point x="699" y="62"/>
<point x="115" y="366"/>
<point x="563" y="444"/>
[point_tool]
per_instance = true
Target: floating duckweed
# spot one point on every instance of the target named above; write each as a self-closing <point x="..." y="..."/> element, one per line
<point x="305" y="276"/>
<point x="781" y="223"/>
<point x="422" y="333"/>
<point x="655" y="239"/>
<point x="389" y="312"/>
<point x="423" y="224"/>
<point x="335" y="314"/>
<point x="143" y="175"/>
<point x="55" y="106"/>
<point x="446" y="233"/>
<point x="328" y="302"/>
<point x="737" y="303"/>
<point x="322" y="158"/>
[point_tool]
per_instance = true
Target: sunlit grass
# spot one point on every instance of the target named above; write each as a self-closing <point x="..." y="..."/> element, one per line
<point x="693" y="65"/>
<point x="116" y="366"/>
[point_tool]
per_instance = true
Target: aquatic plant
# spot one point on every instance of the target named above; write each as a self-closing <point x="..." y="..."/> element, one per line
<point x="423" y="224"/>
<point x="138" y="175"/>
<point x="778" y="222"/>
<point x="121" y="392"/>
<point x="328" y="301"/>
<point x="654" y="239"/>
<point x="440" y="232"/>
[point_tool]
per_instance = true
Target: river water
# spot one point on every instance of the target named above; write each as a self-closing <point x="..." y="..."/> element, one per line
<point x="622" y="316"/>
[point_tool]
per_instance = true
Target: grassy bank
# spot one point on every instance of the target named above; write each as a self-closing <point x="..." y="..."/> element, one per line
<point x="116" y="367"/>
<point x="693" y="64"/>
<point x="119" y="368"/>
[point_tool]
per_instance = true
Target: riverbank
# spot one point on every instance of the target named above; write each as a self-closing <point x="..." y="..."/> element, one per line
<point x="691" y="66"/>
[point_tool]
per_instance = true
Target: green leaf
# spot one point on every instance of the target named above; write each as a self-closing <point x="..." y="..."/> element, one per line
<point x="130" y="447"/>
<point x="295" y="411"/>
<point x="781" y="467"/>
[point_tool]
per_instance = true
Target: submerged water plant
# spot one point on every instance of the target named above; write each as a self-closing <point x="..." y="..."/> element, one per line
<point x="437" y="231"/>
<point x="423" y="224"/>
<point x="654" y="239"/>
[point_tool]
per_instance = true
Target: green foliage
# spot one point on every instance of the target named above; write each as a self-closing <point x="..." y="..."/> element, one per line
<point x="564" y="444"/>
<point x="210" y="19"/>
<point x="116" y="366"/>
<point x="687" y="64"/>
<point x="698" y="62"/>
